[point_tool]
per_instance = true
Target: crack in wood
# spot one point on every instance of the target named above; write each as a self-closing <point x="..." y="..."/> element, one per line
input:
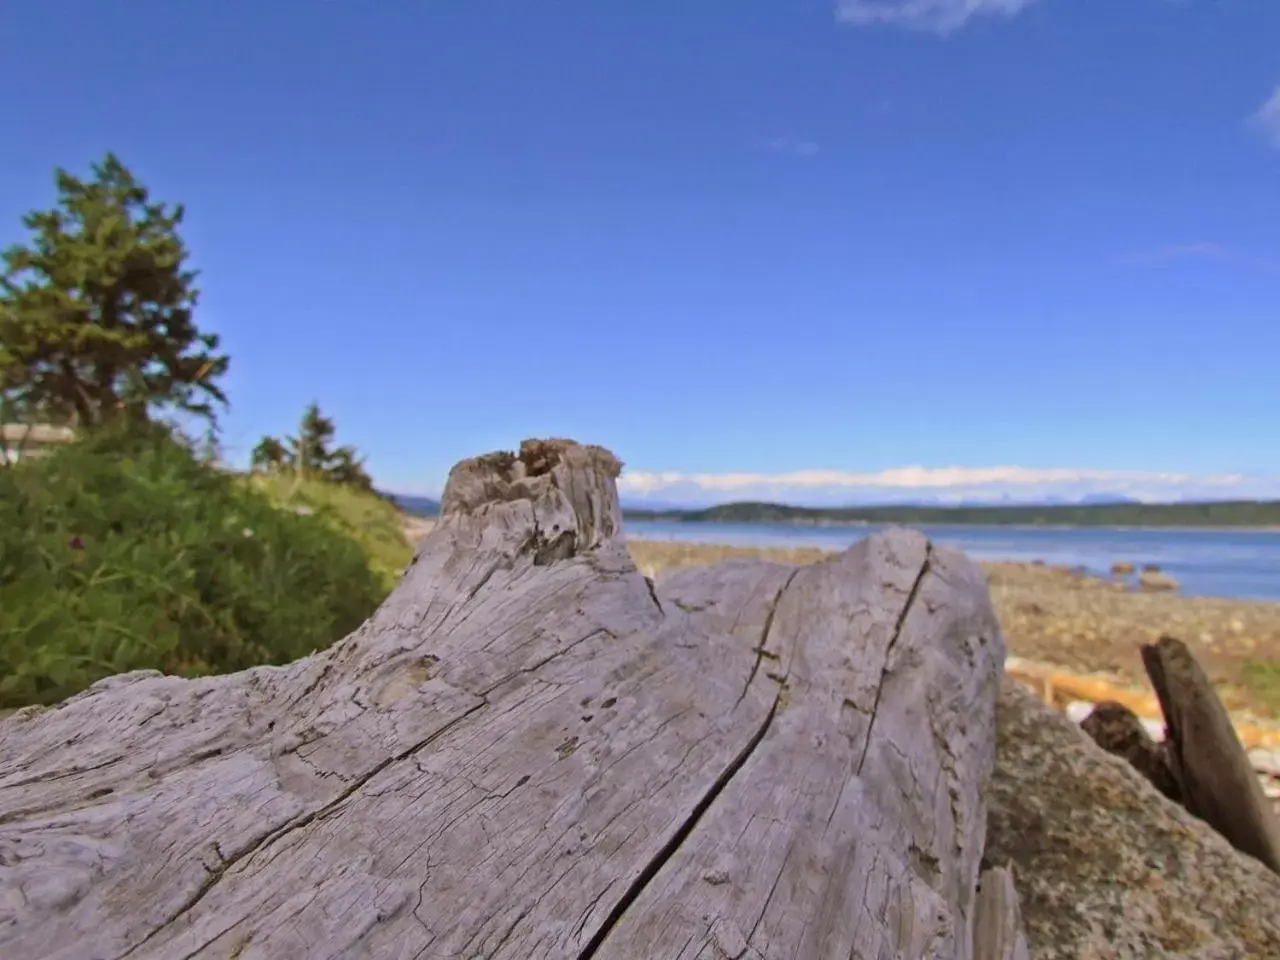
<point x="764" y="633"/>
<point x="653" y="594"/>
<point x="568" y="648"/>
<point x="679" y="836"/>
<point x="888" y="653"/>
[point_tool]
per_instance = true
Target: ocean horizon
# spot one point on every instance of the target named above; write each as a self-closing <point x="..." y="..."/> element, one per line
<point x="1241" y="564"/>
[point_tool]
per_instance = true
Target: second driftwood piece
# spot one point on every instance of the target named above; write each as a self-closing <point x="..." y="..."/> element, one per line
<point x="531" y="751"/>
<point x="1201" y="763"/>
<point x="1104" y="866"/>
<point x="1215" y="779"/>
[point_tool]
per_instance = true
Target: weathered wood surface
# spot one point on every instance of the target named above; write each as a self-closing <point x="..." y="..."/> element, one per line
<point x="998" y="932"/>
<point x="532" y="751"/>
<point x="1215" y="779"/>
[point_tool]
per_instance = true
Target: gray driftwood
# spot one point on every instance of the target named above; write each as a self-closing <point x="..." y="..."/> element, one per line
<point x="532" y="751"/>
<point x="1215" y="779"/>
<point x="998" y="933"/>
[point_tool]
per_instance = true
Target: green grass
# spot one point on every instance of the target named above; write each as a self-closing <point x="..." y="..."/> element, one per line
<point x="122" y="552"/>
<point x="371" y="521"/>
<point x="1262" y="679"/>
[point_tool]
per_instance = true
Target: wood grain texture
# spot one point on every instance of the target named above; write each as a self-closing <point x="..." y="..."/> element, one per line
<point x="998" y="933"/>
<point x="529" y="751"/>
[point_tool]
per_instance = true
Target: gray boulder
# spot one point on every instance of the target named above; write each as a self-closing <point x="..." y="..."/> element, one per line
<point x="1105" y="867"/>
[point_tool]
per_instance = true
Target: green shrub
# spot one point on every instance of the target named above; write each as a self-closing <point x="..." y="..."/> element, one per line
<point x="123" y="551"/>
<point x="367" y="518"/>
<point x="1262" y="680"/>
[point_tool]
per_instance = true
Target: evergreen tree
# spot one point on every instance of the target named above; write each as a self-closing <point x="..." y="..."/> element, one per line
<point x="310" y="448"/>
<point x="311" y="454"/>
<point x="346" y="468"/>
<point x="269" y="454"/>
<point x="96" y="311"/>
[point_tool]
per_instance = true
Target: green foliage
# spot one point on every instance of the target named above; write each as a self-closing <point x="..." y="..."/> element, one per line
<point x="368" y="519"/>
<point x="311" y="454"/>
<point x="123" y="551"/>
<point x="1262" y="680"/>
<point x="269" y="454"/>
<point x="96" y="311"/>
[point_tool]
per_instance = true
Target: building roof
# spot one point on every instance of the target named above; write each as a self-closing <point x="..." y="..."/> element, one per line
<point x="35" y="433"/>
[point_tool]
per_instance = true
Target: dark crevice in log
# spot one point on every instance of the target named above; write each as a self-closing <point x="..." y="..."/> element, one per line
<point x="888" y="653"/>
<point x="267" y="839"/>
<point x="764" y="633"/>
<point x="484" y="580"/>
<point x="681" y="834"/>
<point x="561" y="548"/>
<point x="305" y="695"/>
<point x="653" y="594"/>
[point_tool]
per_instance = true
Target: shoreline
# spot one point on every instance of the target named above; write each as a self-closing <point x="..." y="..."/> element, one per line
<point x="862" y="524"/>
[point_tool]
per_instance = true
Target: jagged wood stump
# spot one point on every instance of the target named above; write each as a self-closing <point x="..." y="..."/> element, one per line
<point x="532" y="751"/>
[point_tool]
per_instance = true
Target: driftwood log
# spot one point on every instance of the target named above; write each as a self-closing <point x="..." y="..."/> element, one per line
<point x="1214" y="776"/>
<point x="531" y="750"/>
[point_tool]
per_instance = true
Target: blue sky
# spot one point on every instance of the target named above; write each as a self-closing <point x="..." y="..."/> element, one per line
<point x="815" y="250"/>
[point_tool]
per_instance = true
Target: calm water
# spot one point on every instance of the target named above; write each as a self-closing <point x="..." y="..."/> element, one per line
<point x="1213" y="563"/>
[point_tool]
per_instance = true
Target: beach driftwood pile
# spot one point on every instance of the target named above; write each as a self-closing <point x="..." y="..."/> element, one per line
<point x="532" y="750"/>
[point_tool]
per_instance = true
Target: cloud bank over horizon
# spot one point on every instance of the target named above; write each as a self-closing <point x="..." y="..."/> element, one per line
<point x="927" y="485"/>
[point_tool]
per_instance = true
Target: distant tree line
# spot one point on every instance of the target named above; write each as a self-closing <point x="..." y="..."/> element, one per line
<point x="1237" y="513"/>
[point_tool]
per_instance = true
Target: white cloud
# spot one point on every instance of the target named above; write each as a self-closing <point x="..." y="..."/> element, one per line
<point x="939" y="16"/>
<point x="790" y="145"/>
<point x="942" y="484"/>
<point x="1267" y="119"/>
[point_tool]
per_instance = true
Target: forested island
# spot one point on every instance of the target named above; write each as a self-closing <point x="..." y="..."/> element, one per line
<point x="1233" y="513"/>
